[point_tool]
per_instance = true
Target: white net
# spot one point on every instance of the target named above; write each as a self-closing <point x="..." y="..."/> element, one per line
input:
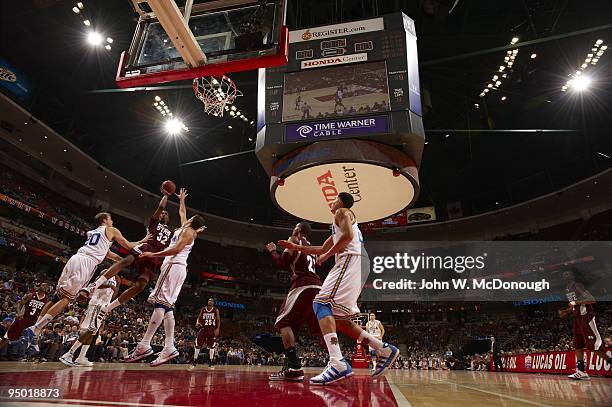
<point x="215" y="93"/>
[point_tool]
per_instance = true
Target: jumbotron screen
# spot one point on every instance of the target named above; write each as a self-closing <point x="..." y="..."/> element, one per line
<point x="347" y="90"/>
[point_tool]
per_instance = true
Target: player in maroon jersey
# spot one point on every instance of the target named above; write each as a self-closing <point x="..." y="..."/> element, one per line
<point x="297" y="308"/>
<point x="29" y="308"/>
<point x="209" y="325"/>
<point x="586" y="335"/>
<point x="145" y="266"/>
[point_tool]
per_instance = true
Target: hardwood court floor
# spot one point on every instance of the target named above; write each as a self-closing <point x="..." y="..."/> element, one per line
<point x="120" y="384"/>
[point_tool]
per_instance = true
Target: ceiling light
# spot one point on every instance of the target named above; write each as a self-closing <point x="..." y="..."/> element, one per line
<point x="514" y="40"/>
<point x="534" y="55"/>
<point x="76" y="10"/>
<point x="109" y="40"/>
<point x="94" y="38"/>
<point x="503" y="98"/>
<point x="581" y="83"/>
<point x="230" y="127"/>
<point x="174" y="126"/>
<point x="107" y="47"/>
<point x="598" y="42"/>
<point x="495" y="77"/>
<point x="87" y="23"/>
<point x="604" y="47"/>
<point x="501" y="68"/>
<point x="497" y="83"/>
<point x="489" y="85"/>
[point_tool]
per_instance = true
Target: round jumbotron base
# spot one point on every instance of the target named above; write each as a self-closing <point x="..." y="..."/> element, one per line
<point x="383" y="180"/>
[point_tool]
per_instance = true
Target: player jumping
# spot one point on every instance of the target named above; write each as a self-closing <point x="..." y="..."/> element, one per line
<point x="586" y="335"/>
<point x="336" y="303"/>
<point x="169" y="284"/>
<point x="145" y="267"/>
<point x="209" y="325"/>
<point x="80" y="268"/>
<point x="297" y="308"/>
<point x="376" y="329"/>
<point x="100" y="298"/>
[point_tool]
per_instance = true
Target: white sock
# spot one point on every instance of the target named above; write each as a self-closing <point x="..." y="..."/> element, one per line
<point x="211" y="354"/>
<point x="101" y="280"/>
<point x="74" y="347"/>
<point x="169" y="330"/>
<point x="154" y="322"/>
<point x="113" y="305"/>
<point x="42" y="322"/>
<point x="333" y="346"/>
<point x="83" y="354"/>
<point x="196" y="353"/>
<point x="374" y="342"/>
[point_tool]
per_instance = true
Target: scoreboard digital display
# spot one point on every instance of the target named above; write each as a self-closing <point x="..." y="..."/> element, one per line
<point x="336" y="91"/>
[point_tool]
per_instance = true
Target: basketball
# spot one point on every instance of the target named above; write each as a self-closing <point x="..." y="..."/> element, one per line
<point x="169" y="187"/>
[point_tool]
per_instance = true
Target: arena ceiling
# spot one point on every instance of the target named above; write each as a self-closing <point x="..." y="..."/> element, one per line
<point x="474" y="153"/>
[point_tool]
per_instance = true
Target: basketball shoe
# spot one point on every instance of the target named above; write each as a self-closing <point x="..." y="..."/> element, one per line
<point x="334" y="371"/>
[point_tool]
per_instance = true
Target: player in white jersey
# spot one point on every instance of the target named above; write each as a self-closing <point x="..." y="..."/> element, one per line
<point x="169" y="284"/>
<point x="336" y="303"/>
<point x="80" y="268"/>
<point x="377" y="330"/>
<point x="101" y="296"/>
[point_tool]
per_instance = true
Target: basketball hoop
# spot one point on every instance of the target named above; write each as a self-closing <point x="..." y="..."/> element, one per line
<point x="215" y="93"/>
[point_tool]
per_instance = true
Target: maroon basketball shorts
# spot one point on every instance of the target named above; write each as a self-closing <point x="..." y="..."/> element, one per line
<point x="206" y="336"/>
<point x="586" y="334"/>
<point x="297" y="309"/>
<point x="145" y="267"/>
<point x="17" y="327"/>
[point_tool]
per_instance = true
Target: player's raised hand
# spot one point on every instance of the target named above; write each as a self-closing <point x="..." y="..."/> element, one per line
<point x="146" y="254"/>
<point x="286" y="244"/>
<point x="163" y="191"/>
<point x="271" y="247"/>
<point x="182" y="194"/>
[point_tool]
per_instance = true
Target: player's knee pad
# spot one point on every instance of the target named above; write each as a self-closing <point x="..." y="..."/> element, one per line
<point x="322" y="310"/>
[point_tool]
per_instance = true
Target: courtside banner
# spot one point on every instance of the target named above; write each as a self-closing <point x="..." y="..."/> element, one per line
<point x="530" y="272"/>
<point x="337" y="30"/>
<point x="554" y="362"/>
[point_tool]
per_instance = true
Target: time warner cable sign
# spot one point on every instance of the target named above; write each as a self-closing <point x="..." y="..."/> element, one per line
<point x="336" y="128"/>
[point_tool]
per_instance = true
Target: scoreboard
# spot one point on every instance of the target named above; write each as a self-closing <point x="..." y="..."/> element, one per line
<point x="349" y="94"/>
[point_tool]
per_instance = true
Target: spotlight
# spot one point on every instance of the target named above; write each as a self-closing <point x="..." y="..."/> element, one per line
<point x="598" y="42"/>
<point x="94" y="38"/>
<point x="534" y="55"/>
<point x="109" y="40"/>
<point x="514" y="40"/>
<point x="174" y="126"/>
<point x="107" y="47"/>
<point x="229" y="127"/>
<point x="501" y="68"/>
<point x="76" y="10"/>
<point x="87" y="23"/>
<point x="503" y="98"/>
<point x="157" y="99"/>
<point x="581" y="83"/>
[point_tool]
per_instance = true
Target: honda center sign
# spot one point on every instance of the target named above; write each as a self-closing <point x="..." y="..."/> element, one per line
<point x="380" y="178"/>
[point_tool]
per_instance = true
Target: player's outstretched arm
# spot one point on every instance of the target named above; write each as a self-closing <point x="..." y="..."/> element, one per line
<point x="182" y="208"/>
<point x="161" y="206"/>
<point x="114" y="234"/>
<point x="585" y="297"/>
<point x="315" y="250"/>
<point x="113" y="256"/>
<point x="186" y="237"/>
